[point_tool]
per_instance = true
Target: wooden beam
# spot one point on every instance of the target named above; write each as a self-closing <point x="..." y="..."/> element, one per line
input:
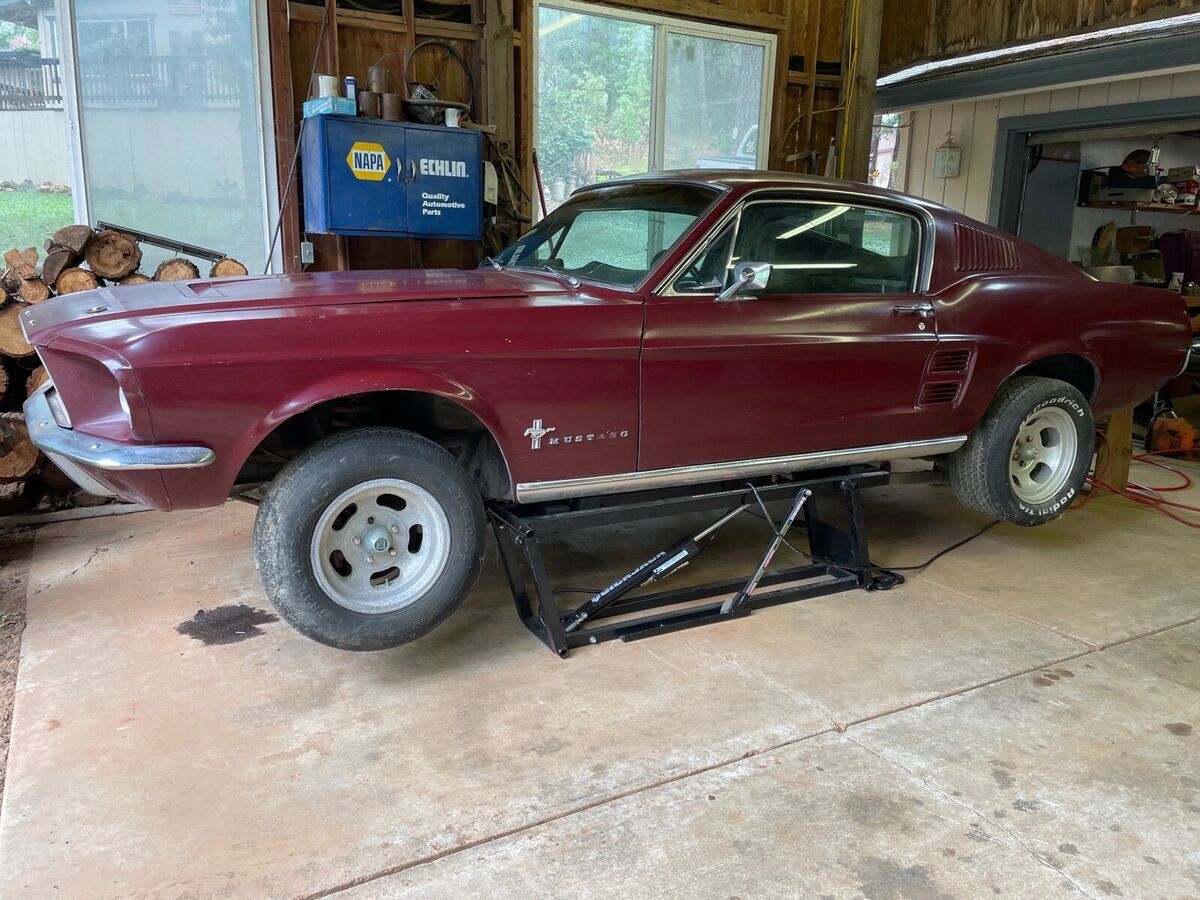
<point x="811" y="49"/>
<point x="1114" y="462"/>
<point x="709" y="11"/>
<point x="499" y="79"/>
<point x="859" y="91"/>
<point x="283" y="102"/>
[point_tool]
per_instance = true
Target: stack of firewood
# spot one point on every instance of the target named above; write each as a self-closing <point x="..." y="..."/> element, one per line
<point x="76" y="259"/>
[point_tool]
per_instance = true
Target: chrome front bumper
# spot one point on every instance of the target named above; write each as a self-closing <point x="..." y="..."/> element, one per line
<point x="64" y="444"/>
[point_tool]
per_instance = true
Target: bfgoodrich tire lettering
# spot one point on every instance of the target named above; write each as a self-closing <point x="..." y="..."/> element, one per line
<point x="1027" y="459"/>
<point x="351" y="468"/>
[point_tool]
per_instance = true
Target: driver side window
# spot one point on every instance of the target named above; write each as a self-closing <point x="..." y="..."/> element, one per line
<point x="814" y="248"/>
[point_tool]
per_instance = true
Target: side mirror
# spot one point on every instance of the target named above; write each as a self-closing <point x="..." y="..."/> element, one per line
<point x="748" y="276"/>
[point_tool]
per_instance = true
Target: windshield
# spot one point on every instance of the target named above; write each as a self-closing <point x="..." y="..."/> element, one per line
<point x="615" y="235"/>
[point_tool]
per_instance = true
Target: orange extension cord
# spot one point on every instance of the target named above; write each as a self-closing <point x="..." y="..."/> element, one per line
<point x="1144" y="494"/>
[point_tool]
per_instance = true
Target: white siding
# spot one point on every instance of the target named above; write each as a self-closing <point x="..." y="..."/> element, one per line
<point x="975" y="124"/>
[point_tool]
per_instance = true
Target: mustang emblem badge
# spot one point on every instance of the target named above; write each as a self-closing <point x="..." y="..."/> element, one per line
<point x="535" y="433"/>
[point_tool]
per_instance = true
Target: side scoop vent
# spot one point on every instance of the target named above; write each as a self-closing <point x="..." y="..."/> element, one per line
<point x="938" y="393"/>
<point x="978" y="251"/>
<point x="950" y="362"/>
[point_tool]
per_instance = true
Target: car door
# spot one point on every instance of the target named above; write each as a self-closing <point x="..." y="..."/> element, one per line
<point x="830" y="355"/>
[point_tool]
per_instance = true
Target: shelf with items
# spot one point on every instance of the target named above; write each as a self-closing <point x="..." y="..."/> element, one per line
<point x="1143" y="207"/>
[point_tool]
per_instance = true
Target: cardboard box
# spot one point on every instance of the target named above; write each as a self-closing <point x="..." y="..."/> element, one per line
<point x="330" y="106"/>
<point x="1184" y="173"/>
<point x="1134" y="239"/>
<point x="1185" y="187"/>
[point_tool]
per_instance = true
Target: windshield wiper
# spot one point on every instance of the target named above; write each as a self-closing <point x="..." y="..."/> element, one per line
<point x="492" y="262"/>
<point x="569" y="279"/>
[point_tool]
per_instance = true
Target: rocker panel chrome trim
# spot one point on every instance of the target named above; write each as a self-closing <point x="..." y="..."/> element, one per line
<point x="535" y="491"/>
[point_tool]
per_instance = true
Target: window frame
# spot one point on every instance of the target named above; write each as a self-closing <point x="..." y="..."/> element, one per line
<point x="924" y="222"/>
<point x="664" y="26"/>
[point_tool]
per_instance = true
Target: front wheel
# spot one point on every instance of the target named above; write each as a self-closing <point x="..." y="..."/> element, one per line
<point x="369" y="539"/>
<point x="1025" y="463"/>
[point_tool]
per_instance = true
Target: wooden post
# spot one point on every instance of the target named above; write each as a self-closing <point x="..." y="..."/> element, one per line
<point x="1115" y="462"/>
<point x="285" y="131"/>
<point x="859" y="89"/>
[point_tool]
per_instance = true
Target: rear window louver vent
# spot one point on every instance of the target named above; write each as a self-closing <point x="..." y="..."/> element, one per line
<point x="950" y="362"/>
<point x="978" y="251"/>
<point x="939" y="394"/>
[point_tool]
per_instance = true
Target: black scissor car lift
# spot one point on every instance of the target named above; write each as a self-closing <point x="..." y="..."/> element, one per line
<point x="832" y="518"/>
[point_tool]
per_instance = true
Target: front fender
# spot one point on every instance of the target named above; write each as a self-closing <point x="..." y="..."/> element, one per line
<point x="366" y="380"/>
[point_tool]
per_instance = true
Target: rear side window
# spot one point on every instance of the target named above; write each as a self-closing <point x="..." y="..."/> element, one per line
<point x="819" y="248"/>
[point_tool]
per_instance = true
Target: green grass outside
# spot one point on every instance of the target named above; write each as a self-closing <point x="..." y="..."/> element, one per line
<point x="26" y="220"/>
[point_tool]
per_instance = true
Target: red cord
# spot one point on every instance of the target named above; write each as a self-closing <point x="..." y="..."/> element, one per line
<point x="1141" y="494"/>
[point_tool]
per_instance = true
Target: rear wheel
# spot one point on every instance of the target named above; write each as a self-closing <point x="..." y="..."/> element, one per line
<point x="369" y="539"/>
<point x="1026" y="461"/>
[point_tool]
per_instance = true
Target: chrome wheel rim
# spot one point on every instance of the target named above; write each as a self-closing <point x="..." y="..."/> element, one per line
<point x="1043" y="455"/>
<point x="380" y="546"/>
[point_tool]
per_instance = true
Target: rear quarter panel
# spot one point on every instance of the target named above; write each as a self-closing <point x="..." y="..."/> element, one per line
<point x="1135" y="338"/>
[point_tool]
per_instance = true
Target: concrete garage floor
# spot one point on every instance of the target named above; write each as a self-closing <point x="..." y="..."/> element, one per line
<point x="1020" y="720"/>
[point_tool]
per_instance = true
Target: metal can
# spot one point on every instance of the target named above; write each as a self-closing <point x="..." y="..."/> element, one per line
<point x="351" y="87"/>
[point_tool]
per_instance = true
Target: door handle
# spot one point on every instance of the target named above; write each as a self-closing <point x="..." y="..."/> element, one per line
<point x="924" y="310"/>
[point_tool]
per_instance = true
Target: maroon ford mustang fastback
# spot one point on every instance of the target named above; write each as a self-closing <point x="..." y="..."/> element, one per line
<point x="652" y="331"/>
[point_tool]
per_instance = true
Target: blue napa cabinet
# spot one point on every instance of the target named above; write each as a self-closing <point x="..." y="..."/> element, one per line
<point x="391" y="179"/>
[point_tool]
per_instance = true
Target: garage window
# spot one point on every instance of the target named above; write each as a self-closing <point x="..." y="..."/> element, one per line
<point x="620" y="93"/>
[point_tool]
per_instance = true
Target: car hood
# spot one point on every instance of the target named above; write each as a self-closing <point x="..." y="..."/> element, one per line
<point x="48" y="320"/>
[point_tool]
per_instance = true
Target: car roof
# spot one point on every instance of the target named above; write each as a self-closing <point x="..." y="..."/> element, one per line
<point x="748" y="178"/>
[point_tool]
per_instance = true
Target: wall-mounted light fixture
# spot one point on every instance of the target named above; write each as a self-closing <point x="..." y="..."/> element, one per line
<point x="947" y="158"/>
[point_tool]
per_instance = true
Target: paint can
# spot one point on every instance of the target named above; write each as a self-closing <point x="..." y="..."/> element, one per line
<point x="368" y="104"/>
<point x="393" y="107"/>
<point x="327" y="86"/>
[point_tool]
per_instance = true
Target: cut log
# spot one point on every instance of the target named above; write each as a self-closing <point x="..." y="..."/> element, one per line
<point x="34" y="290"/>
<point x="74" y="238"/>
<point x="176" y="269"/>
<point x="30" y="256"/>
<point x="12" y="498"/>
<point x="136" y="278"/>
<point x="10" y="282"/>
<point x="36" y="379"/>
<point x="12" y="342"/>
<point x="56" y="262"/>
<point x="72" y="281"/>
<point x="15" y="260"/>
<point x="112" y="254"/>
<point x="23" y="458"/>
<point x="227" y="267"/>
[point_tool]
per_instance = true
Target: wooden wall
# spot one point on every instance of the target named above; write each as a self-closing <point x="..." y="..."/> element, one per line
<point x="350" y="42"/>
<point x="917" y="30"/>
<point x="804" y="113"/>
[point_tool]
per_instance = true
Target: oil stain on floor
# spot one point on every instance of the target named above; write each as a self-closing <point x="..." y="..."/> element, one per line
<point x="226" y="624"/>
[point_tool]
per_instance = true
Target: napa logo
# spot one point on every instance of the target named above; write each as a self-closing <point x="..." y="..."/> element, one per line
<point x="368" y="161"/>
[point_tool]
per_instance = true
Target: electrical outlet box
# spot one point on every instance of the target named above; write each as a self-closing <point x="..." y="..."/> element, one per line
<point x="306" y="253"/>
